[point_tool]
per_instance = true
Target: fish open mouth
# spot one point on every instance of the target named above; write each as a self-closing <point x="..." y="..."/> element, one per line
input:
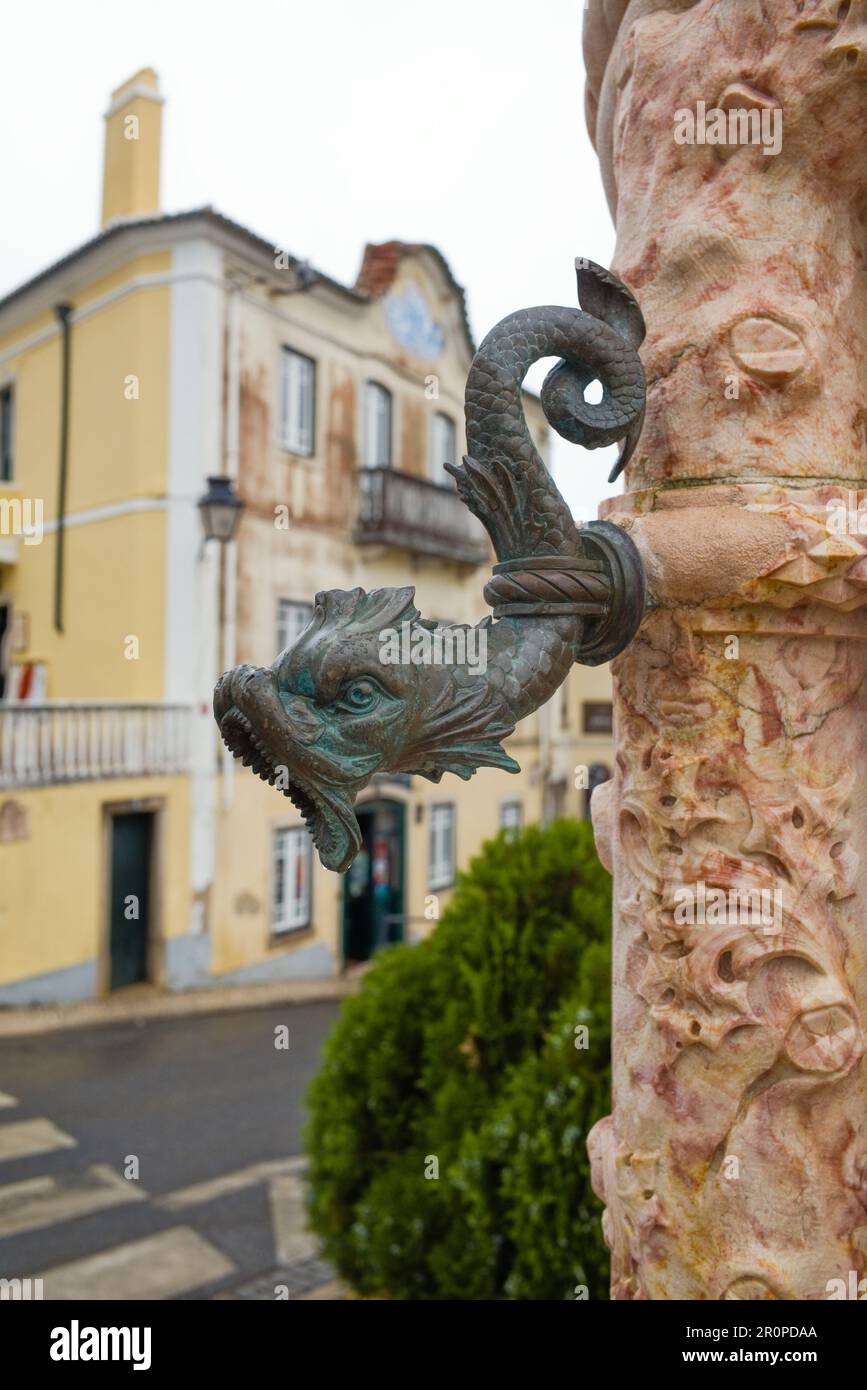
<point x="327" y="813"/>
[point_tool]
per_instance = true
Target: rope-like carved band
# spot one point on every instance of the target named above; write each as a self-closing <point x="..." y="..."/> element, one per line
<point x="548" y="585"/>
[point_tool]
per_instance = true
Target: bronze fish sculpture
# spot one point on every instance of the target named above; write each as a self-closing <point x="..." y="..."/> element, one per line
<point x="329" y="713"/>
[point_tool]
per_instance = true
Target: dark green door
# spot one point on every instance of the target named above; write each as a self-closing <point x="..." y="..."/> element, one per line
<point x="131" y="843"/>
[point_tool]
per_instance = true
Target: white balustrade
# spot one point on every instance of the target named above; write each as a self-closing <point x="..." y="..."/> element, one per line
<point x="60" y="741"/>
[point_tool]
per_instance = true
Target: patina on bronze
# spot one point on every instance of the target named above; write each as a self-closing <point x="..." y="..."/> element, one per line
<point x="329" y="713"/>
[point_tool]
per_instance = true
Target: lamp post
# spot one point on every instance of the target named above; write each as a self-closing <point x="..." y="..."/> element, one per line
<point x="220" y="510"/>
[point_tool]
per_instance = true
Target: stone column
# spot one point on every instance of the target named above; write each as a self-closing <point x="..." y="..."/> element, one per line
<point x="734" y="1164"/>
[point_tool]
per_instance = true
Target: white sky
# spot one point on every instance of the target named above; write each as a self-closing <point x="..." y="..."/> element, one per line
<point x="323" y="125"/>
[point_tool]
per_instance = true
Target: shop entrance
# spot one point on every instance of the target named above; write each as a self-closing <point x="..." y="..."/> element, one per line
<point x="373" y="886"/>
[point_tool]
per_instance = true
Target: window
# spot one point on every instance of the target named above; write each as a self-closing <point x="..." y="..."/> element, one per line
<point x="297" y="394"/>
<point x="442" y="846"/>
<point x="292" y="618"/>
<point x="7" y="417"/>
<point x="511" y="818"/>
<point x="442" y="447"/>
<point x="292" y="861"/>
<point x="376" y="451"/>
<point x="598" y="717"/>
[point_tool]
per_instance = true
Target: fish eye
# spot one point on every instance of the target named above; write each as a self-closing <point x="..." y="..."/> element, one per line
<point x="360" y="695"/>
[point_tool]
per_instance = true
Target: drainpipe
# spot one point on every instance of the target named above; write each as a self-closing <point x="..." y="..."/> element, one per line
<point x="63" y="312"/>
<point x="228" y="552"/>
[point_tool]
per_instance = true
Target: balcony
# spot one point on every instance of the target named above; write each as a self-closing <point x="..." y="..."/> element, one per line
<point x="57" y="741"/>
<point x="401" y="510"/>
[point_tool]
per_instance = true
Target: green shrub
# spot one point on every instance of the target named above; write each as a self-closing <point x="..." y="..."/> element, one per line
<point x="536" y="1135"/>
<point x="365" y="1099"/>
<point x="463" y="1050"/>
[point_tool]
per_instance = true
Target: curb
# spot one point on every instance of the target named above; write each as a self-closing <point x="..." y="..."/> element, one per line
<point x="140" y="1005"/>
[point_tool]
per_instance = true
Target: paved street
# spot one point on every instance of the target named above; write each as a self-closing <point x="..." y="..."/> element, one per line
<point x="211" y="1110"/>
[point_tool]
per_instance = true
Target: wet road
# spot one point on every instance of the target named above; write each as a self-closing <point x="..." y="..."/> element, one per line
<point x="157" y="1158"/>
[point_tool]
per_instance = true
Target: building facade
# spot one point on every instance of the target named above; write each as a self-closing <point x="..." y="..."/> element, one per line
<point x="169" y="349"/>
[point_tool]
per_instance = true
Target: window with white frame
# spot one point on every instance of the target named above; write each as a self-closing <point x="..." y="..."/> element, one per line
<point x="442" y="846"/>
<point x="291" y="871"/>
<point x="443" y="444"/>
<point x="292" y="618"/>
<point x="511" y="817"/>
<point x="297" y="401"/>
<point x="7" y="414"/>
<point x="376" y="445"/>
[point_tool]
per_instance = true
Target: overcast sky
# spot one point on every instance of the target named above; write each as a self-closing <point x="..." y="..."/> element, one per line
<point x="321" y="126"/>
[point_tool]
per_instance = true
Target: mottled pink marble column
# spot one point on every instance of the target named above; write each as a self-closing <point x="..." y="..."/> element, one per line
<point x="734" y="1164"/>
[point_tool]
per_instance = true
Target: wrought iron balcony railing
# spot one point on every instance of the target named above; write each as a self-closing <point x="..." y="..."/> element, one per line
<point x="401" y="510"/>
<point x="59" y="741"/>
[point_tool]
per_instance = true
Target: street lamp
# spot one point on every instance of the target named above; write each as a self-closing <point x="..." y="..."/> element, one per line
<point x="220" y="509"/>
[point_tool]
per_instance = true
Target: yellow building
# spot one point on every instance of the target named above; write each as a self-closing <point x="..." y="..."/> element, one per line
<point x="168" y="349"/>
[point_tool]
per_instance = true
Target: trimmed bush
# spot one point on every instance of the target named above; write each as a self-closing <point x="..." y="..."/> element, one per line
<point x="460" y="1056"/>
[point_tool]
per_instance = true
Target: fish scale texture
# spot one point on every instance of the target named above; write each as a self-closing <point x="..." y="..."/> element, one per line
<point x="504" y="481"/>
<point x="451" y="715"/>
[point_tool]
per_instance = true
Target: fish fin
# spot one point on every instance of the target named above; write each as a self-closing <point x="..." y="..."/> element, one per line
<point x="605" y="297"/>
<point x="461" y="735"/>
